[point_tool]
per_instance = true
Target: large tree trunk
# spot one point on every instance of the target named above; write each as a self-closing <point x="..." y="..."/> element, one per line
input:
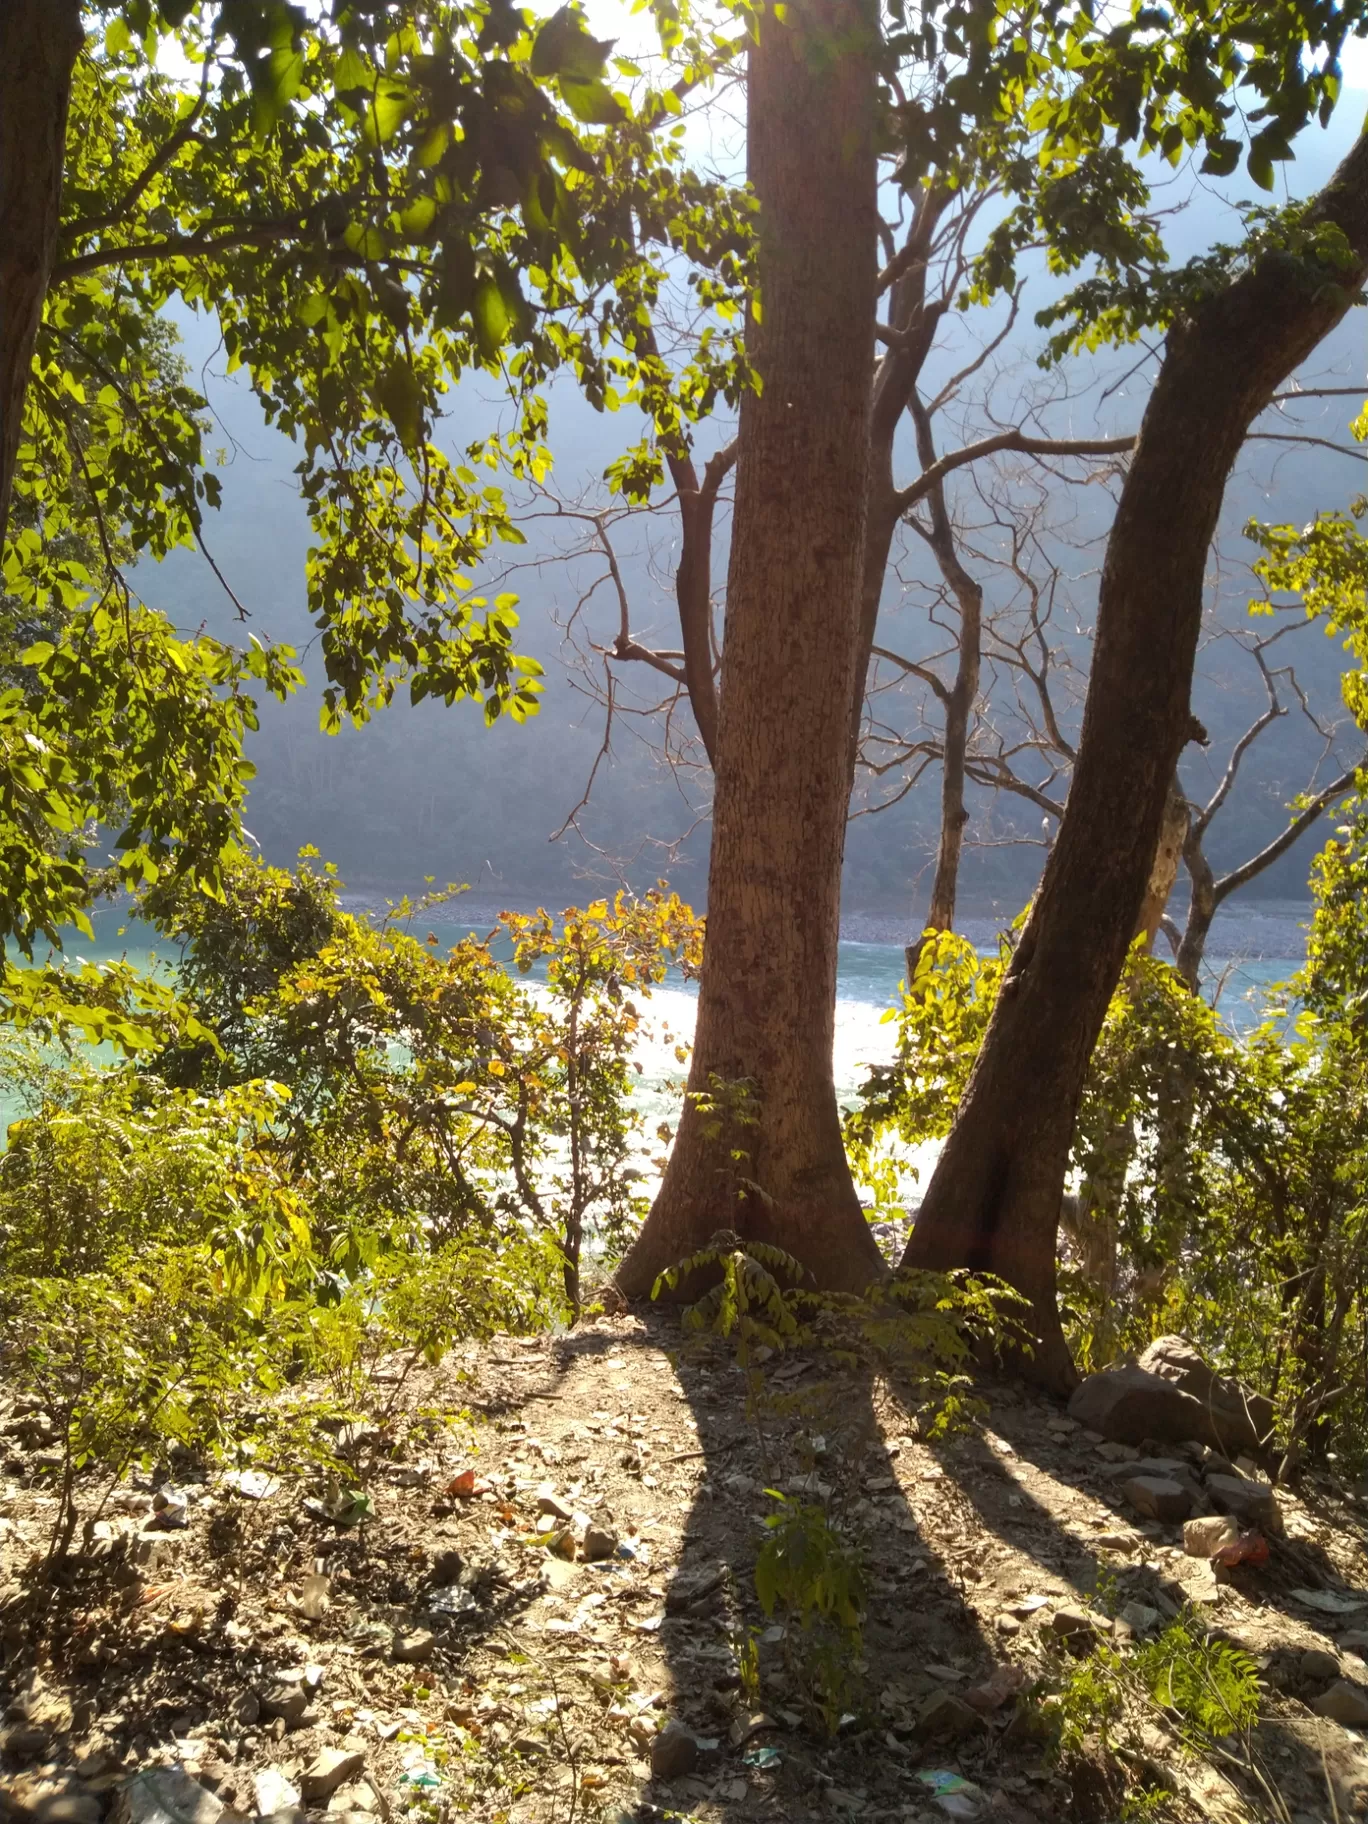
<point x="993" y="1202"/>
<point x="39" y="44"/>
<point x="766" y="1005"/>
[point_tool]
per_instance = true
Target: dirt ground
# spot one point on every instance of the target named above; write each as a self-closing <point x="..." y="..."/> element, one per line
<point x="442" y="1655"/>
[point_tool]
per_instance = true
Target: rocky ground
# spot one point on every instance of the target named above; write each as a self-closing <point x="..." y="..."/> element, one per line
<point x="543" y="1611"/>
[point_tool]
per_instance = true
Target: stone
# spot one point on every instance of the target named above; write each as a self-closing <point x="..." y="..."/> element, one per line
<point x="1205" y="1536"/>
<point x="1355" y="1640"/>
<point x="24" y="1741"/>
<point x="1254" y="1502"/>
<point x="1139" y="1617"/>
<point x="446" y="1569"/>
<point x="1240" y="1419"/>
<point x="687" y="1590"/>
<point x="288" y="1702"/>
<point x="1344" y="1702"/>
<point x="1159" y="1497"/>
<point x="247" y="1710"/>
<point x="1129" y="1404"/>
<point x="414" y="1649"/>
<point x="273" y="1792"/>
<point x="1075" y="1626"/>
<point x="1319" y="1667"/>
<point x="945" y="1718"/>
<point x="330" y="1768"/>
<point x="315" y="1596"/>
<point x="597" y="1545"/>
<point x="1112" y="1452"/>
<point x="168" y="1795"/>
<point x="673" y="1752"/>
<point x="549" y="1502"/>
<point x="49" y="1798"/>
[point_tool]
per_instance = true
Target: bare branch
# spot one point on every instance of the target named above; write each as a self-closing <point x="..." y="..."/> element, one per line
<point x="1239" y="877"/>
<point x="1016" y="441"/>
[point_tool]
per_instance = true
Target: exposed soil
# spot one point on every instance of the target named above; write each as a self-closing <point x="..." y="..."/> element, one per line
<point x="535" y="1684"/>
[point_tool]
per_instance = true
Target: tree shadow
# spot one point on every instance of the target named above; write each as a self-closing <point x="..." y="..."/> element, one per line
<point x="1056" y="1502"/>
<point x="837" y="1436"/>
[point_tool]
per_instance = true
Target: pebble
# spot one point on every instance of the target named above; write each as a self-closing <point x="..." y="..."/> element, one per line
<point x="598" y="1544"/>
<point x="1344" y="1702"/>
<point x="1207" y="1534"/>
<point x="330" y="1768"/>
<point x="549" y="1502"/>
<point x="288" y="1702"/>
<point x="1254" y="1501"/>
<point x="414" y="1649"/>
<point x="1318" y="1666"/>
<point x="49" y="1799"/>
<point x="1073" y="1624"/>
<point x="1159" y="1497"/>
<point x="167" y="1795"/>
<point x="945" y="1718"/>
<point x="673" y="1752"/>
<point x="1140" y="1617"/>
<point x="273" y="1792"/>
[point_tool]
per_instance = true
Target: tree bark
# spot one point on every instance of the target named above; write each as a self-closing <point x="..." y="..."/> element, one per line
<point x="1168" y="854"/>
<point x="39" y="43"/>
<point x="959" y="699"/>
<point x="993" y="1202"/>
<point x="1208" y="893"/>
<point x="766" y="1006"/>
<point x="913" y="320"/>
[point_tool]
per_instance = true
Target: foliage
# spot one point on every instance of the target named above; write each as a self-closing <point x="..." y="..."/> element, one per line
<point x="1325" y="565"/>
<point x="574" y="1068"/>
<point x="813" y="1576"/>
<point x="106" y="1162"/>
<point x="146" y="1353"/>
<point x="370" y="202"/>
<point x="920" y="1327"/>
<point x="1210" y="1685"/>
<point x="1207" y="1687"/>
<point x="348" y="1150"/>
<point x="941" y="1020"/>
<point x="434" y="1087"/>
<point x="1216" y="1182"/>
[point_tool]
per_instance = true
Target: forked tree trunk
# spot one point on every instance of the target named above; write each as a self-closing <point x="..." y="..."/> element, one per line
<point x="766" y="1005"/>
<point x="993" y="1202"/>
<point x="39" y="44"/>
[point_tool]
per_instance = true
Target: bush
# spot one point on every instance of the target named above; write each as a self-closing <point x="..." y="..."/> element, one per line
<point x="1215" y="1183"/>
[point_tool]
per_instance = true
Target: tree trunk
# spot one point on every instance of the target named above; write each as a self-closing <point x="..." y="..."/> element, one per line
<point x="993" y="1202"/>
<point x="766" y="1005"/>
<point x="959" y="700"/>
<point x="1201" y="908"/>
<point x="1163" y="874"/>
<point x="39" y="44"/>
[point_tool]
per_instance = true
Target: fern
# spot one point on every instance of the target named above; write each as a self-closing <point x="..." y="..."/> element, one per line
<point x="1211" y="1686"/>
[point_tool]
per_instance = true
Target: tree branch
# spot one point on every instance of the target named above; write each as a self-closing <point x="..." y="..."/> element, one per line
<point x="1281" y="843"/>
<point x="1014" y="440"/>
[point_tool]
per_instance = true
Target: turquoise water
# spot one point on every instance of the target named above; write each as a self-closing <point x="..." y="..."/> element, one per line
<point x="870" y="970"/>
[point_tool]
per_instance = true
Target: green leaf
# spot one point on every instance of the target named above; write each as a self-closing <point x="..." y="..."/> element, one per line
<point x="401" y="396"/>
<point x="565" y="48"/>
<point x="491" y="317"/>
<point x="592" y="102"/>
